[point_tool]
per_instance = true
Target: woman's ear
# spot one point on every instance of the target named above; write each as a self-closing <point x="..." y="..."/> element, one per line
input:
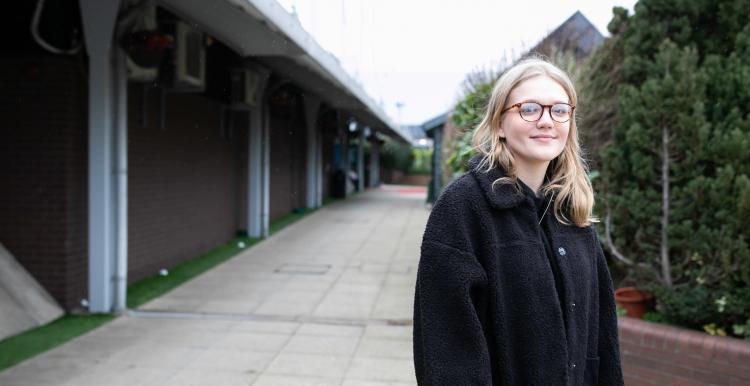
<point x="501" y="132"/>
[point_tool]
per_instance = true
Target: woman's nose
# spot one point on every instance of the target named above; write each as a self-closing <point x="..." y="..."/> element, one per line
<point x="546" y="119"/>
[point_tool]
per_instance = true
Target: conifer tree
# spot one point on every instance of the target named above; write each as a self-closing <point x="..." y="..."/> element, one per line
<point x="675" y="186"/>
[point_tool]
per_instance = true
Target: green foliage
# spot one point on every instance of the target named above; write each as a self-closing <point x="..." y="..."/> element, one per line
<point x="396" y="156"/>
<point x="655" y="317"/>
<point x="422" y="163"/>
<point x="681" y="69"/>
<point x="467" y="115"/>
<point x="715" y="311"/>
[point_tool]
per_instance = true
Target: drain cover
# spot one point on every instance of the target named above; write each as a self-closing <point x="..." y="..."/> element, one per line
<point x="304" y="269"/>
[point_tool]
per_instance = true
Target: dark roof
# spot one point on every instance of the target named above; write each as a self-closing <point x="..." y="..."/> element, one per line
<point x="435" y="122"/>
<point x="416" y="132"/>
<point x="576" y="34"/>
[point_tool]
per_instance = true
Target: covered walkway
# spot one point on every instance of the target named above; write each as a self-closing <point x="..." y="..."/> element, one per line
<point x="326" y="301"/>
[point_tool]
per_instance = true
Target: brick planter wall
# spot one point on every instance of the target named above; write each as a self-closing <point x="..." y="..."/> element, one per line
<point x="657" y="354"/>
<point x="44" y="170"/>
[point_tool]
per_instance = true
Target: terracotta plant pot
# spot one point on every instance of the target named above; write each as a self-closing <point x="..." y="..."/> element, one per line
<point x="634" y="301"/>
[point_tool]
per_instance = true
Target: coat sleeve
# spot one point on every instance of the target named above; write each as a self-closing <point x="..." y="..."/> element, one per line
<point x="449" y="342"/>
<point x="610" y="368"/>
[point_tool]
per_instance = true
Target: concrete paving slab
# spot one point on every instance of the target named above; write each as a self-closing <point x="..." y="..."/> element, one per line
<point x="312" y="365"/>
<point x="252" y="321"/>
<point x="382" y="369"/>
<point x="288" y="380"/>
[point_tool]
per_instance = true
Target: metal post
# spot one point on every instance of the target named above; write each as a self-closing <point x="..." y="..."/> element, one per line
<point x="121" y="175"/>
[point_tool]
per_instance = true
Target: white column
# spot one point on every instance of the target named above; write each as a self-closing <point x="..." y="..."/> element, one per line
<point x="266" y="170"/>
<point x="312" y="104"/>
<point x="319" y="170"/>
<point x="361" y="160"/>
<point x="344" y="164"/>
<point x="98" y="22"/>
<point x="374" y="162"/>
<point x="257" y="164"/>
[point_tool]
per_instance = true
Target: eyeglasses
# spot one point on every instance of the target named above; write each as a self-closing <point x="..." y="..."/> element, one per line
<point x="532" y="111"/>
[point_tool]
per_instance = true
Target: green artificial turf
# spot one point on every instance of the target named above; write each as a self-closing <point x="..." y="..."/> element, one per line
<point x="30" y="343"/>
<point x="156" y="285"/>
<point x="20" y="347"/>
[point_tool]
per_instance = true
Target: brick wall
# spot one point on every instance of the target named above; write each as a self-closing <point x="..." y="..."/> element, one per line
<point x="184" y="180"/>
<point x="656" y="354"/>
<point x="43" y="171"/>
<point x="288" y="158"/>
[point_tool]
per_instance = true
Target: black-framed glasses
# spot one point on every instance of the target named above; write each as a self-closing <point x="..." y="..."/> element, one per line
<point x="532" y="111"/>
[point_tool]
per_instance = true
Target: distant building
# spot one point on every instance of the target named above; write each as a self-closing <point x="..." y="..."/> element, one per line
<point x="140" y="134"/>
<point x="417" y="135"/>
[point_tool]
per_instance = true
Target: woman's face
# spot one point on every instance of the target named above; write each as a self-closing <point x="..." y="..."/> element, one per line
<point x="535" y="143"/>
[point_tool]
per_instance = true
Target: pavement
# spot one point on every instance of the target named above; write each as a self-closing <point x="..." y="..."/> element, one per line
<point x="326" y="301"/>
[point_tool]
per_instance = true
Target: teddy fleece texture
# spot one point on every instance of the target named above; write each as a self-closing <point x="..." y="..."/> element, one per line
<point x="486" y="308"/>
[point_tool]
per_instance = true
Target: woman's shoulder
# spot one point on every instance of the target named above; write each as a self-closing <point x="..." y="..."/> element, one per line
<point x="463" y="189"/>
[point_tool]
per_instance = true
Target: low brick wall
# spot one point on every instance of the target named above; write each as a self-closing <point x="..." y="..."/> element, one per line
<point x="414" y="179"/>
<point x="657" y="354"/>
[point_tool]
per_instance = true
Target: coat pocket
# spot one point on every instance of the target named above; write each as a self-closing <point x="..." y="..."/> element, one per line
<point x="591" y="374"/>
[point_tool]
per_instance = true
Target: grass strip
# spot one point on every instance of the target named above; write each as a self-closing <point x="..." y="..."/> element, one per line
<point x="156" y="285"/>
<point x="20" y="347"/>
<point x="15" y="349"/>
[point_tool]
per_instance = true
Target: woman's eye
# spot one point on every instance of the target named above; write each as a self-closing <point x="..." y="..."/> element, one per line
<point x="529" y="108"/>
<point x="560" y="109"/>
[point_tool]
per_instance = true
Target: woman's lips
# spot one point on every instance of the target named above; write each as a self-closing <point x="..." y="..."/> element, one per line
<point x="543" y="138"/>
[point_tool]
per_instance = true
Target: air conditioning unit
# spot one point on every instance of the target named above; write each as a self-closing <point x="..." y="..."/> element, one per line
<point x="190" y="59"/>
<point x="145" y="21"/>
<point x="245" y="88"/>
<point x="137" y="73"/>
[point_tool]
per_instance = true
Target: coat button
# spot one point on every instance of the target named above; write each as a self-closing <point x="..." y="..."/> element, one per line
<point x="561" y="251"/>
<point x="572" y="305"/>
<point x="572" y="366"/>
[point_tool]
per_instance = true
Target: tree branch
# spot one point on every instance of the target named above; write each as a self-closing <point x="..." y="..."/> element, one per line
<point x="611" y="245"/>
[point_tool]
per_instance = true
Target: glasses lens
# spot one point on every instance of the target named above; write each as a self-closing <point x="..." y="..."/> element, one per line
<point x="560" y="112"/>
<point x="530" y="111"/>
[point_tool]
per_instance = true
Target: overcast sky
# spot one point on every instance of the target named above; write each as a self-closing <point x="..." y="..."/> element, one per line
<point x="417" y="52"/>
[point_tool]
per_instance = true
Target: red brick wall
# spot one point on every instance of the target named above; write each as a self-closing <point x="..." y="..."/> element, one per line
<point x="288" y="158"/>
<point x="184" y="181"/>
<point x="656" y="354"/>
<point x="43" y="171"/>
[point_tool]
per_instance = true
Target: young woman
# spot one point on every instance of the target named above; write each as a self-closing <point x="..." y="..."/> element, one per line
<point x="512" y="286"/>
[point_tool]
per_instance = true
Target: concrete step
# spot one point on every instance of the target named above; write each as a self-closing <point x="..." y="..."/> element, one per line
<point x="25" y="303"/>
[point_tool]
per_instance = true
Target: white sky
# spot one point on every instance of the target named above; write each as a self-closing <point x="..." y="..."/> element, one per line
<point x="417" y="52"/>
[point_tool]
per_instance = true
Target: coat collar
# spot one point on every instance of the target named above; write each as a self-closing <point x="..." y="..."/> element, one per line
<point x="503" y="196"/>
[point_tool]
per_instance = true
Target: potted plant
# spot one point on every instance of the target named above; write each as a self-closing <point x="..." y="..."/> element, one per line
<point x="635" y="302"/>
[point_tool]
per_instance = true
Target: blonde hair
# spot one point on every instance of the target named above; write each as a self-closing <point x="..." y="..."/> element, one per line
<point x="575" y="197"/>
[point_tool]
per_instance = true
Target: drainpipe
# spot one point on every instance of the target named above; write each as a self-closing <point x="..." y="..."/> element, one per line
<point x="121" y="175"/>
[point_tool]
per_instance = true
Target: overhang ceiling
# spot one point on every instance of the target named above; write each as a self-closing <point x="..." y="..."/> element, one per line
<point x="264" y="31"/>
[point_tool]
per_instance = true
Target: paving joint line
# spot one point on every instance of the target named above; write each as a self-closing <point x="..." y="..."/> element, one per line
<point x="155" y="314"/>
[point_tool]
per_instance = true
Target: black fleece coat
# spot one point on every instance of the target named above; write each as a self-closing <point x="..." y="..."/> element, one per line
<point x="486" y="308"/>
